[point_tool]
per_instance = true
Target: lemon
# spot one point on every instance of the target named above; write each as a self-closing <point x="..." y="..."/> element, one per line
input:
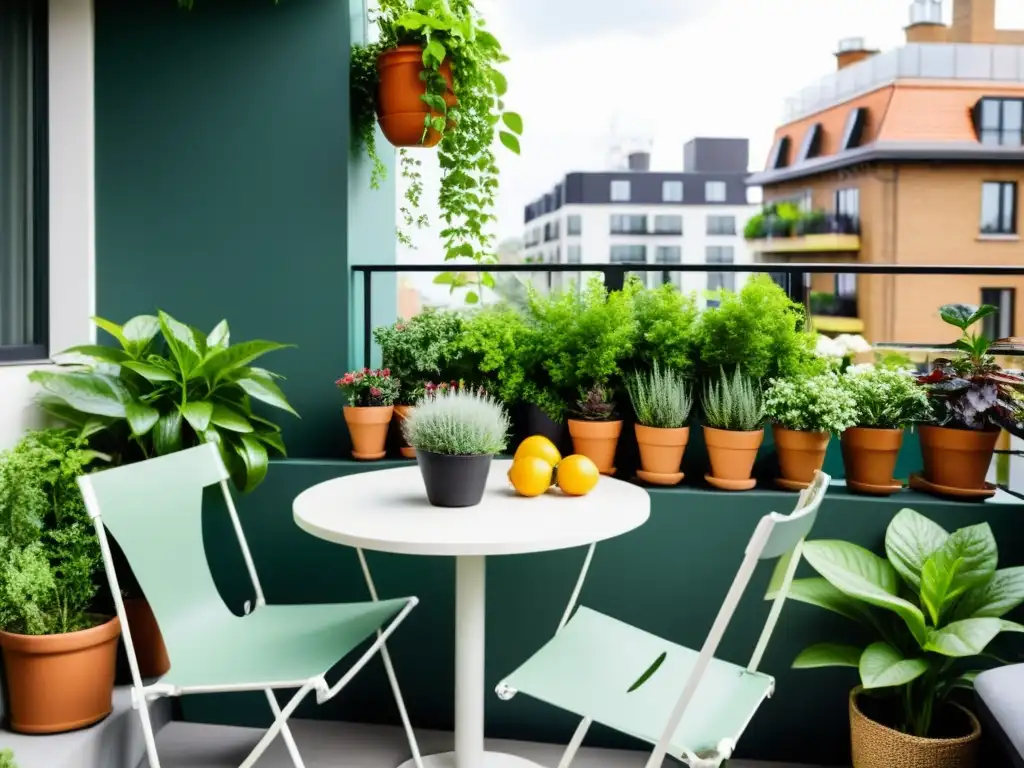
<point x="541" y="447"/>
<point x="577" y="475"/>
<point x="530" y="476"/>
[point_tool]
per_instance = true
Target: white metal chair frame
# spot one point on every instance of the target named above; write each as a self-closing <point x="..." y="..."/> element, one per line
<point x="142" y="693"/>
<point x="808" y="501"/>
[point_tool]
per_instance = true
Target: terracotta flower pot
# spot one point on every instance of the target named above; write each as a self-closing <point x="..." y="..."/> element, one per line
<point x="661" y="450"/>
<point x="732" y="456"/>
<point x="597" y="440"/>
<point x="368" y="428"/>
<point x="147" y="639"/>
<point x="400" y="110"/>
<point x="957" y="458"/>
<point x="58" y="683"/>
<point x="800" y="453"/>
<point x="869" y="457"/>
<point x="874" y="745"/>
<point x="401" y="414"/>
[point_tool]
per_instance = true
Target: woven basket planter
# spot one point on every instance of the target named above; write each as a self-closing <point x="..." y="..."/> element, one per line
<point x="877" y="746"/>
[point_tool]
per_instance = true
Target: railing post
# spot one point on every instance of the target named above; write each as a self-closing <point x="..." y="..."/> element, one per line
<point x="614" y="276"/>
<point x="367" y="318"/>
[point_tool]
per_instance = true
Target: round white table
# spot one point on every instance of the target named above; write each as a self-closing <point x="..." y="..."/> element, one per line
<point x="387" y="511"/>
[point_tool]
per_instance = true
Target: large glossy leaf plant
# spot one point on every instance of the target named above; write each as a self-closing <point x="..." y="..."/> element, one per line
<point x="932" y="605"/>
<point x="169" y="386"/>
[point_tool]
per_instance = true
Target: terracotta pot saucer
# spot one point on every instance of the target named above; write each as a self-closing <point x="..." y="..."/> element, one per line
<point x="730" y="485"/>
<point x="660" y="478"/>
<point x="610" y="473"/>
<point x="919" y="483"/>
<point x="791" y="485"/>
<point x="870" y="489"/>
<point x="368" y="456"/>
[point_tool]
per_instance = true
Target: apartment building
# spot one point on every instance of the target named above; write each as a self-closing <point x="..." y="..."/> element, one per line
<point x="913" y="156"/>
<point x="633" y="215"/>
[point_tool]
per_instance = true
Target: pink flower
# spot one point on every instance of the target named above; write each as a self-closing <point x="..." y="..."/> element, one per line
<point x="375" y="392"/>
<point x="386" y="372"/>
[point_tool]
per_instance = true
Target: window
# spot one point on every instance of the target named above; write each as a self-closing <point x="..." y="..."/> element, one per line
<point x="720" y="254"/>
<point x="1000" y="324"/>
<point x="853" y="131"/>
<point x="780" y="154"/>
<point x="573" y="224"/>
<point x="999" y="208"/>
<point x="573" y="254"/>
<point x="629" y="254"/>
<point x="628" y="224"/>
<point x="714" y="191"/>
<point x="671" y="191"/>
<point x="811" y="145"/>
<point x="620" y="191"/>
<point x="999" y="122"/>
<point x="23" y="225"/>
<point x="847" y="204"/>
<point x="668" y="224"/>
<point x="721" y="225"/>
<point x="846" y="286"/>
<point x="668" y="254"/>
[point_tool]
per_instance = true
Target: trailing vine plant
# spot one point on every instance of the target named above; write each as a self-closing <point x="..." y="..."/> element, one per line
<point x="448" y="31"/>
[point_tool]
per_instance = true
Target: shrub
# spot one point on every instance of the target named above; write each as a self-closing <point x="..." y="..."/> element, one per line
<point x="458" y="422"/>
<point x="661" y="398"/>
<point x="734" y="403"/>
<point x="494" y="349"/>
<point x="418" y="350"/>
<point x="810" y="404"/>
<point x="886" y="398"/>
<point x="665" y="320"/>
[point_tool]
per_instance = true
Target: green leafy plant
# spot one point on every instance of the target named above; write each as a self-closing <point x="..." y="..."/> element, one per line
<point x="496" y="350"/>
<point x="457" y="422"/>
<point x="7" y="759"/>
<point x="810" y="403"/>
<point x="369" y="388"/>
<point x="661" y="397"/>
<point x="754" y="229"/>
<point x="760" y="328"/>
<point x="733" y="402"/>
<point x="170" y="386"/>
<point x="885" y="398"/>
<point x="934" y="604"/>
<point x="596" y="406"/>
<point x="418" y="350"/>
<point x="453" y="32"/>
<point x="665" y="320"/>
<point x="49" y="553"/>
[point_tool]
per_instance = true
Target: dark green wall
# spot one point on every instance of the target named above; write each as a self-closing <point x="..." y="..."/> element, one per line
<point x="222" y="150"/>
<point x="668" y="577"/>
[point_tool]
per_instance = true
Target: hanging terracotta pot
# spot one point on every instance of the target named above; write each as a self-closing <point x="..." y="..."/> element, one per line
<point x="368" y="427"/>
<point x="869" y="458"/>
<point x="401" y="414"/>
<point x="732" y="456"/>
<point x="58" y="683"/>
<point x="800" y="454"/>
<point x="957" y="458"/>
<point x="147" y="639"/>
<point x="401" y="112"/>
<point x="597" y="440"/>
<point x="661" y="453"/>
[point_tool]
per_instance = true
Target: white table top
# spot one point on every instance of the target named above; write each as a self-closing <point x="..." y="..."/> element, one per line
<point x="387" y="511"/>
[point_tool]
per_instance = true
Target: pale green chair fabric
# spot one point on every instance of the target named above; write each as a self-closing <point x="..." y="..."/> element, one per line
<point x="687" y="703"/>
<point x="154" y="510"/>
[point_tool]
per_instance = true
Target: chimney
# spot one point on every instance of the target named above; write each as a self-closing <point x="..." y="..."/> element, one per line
<point x="926" y="22"/>
<point x="639" y="161"/>
<point x="852" y="50"/>
<point x="974" y="21"/>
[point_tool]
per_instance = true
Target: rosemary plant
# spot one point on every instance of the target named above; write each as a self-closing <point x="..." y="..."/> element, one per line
<point x="734" y="403"/>
<point x="661" y="398"/>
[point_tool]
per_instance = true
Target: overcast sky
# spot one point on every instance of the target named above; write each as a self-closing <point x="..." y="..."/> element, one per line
<point x="666" y="70"/>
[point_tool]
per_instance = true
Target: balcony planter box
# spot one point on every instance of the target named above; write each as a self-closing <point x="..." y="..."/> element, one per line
<point x="401" y="112"/>
<point x="957" y="458"/>
<point x="801" y="454"/>
<point x="869" y="459"/>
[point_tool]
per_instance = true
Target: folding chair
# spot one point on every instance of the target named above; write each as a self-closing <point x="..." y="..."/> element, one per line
<point x="154" y="510"/>
<point x="611" y="672"/>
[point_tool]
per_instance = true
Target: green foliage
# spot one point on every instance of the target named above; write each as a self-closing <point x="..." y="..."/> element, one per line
<point x="811" y="403"/>
<point x="7" y="759"/>
<point x="496" y="348"/>
<point x="754" y="228"/>
<point x="661" y="397"/>
<point x="417" y="350"/>
<point x="933" y="605"/>
<point x="169" y="386"/>
<point x="886" y="398"/>
<point x="48" y="547"/>
<point x="733" y="402"/>
<point x="760" y="328"/>
<point x="458" y="422"/>
<point x="665" y="320"/>
<point x="596" y="406"/>
<point x="893" y="360"/>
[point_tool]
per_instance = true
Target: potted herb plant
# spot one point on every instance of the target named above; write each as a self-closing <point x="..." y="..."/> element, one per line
<point x="886" y="401"/>
<point x="933" y="605"/>
<point x="662" y="403"/>
<point x="733" y="431"/>
<point x="59" y="658"/>
<point x="805" y="413"/>
<point x="456" y="433"/>
<point x="371" y="397"/>
<point x="972" y="397"/>
<point x="595" y="429"/>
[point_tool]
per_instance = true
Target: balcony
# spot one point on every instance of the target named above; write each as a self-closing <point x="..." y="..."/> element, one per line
<point x="784" y="230"/>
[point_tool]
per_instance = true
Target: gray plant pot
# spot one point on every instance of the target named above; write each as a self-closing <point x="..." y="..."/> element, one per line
<point x="453" y="481"/>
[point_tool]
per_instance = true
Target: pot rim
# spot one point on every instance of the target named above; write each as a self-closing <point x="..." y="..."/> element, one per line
<point x="988" y="428"/>
<point x="816" y="432"/>
<point x="734" y="431"/>
<point x="973" y="736"/>
<point x="64" y="642"/>
<point x="663" y="429"/>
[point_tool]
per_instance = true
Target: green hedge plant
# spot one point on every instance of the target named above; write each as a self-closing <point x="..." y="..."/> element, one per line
<point x="665" y="319"/>
<point x="811" y="404"/>
<point x="885" y="398"/>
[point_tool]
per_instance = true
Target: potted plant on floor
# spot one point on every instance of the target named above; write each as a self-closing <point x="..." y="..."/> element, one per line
<point x="456" y="433"/>
<point x="805" y="413"/>
<point x="662" y="403"/>
<point x="972" y="397"/>
<point x="733" y="430"/>
<point x="371" y="397"/>
<point x="59" y="659"/>
<point x="934" y="604"/>
<point x="886" y="401"/>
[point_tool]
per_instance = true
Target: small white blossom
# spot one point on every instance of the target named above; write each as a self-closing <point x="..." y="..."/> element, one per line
<point x="827" y="347"/>
<point x="853" y="344"/>
<point x="860" y="368"/>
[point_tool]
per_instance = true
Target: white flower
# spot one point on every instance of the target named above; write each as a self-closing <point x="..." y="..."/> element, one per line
<point x="852" y="343"/>
<point x="860" y="368"/>
<point x="826" y="347"/>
